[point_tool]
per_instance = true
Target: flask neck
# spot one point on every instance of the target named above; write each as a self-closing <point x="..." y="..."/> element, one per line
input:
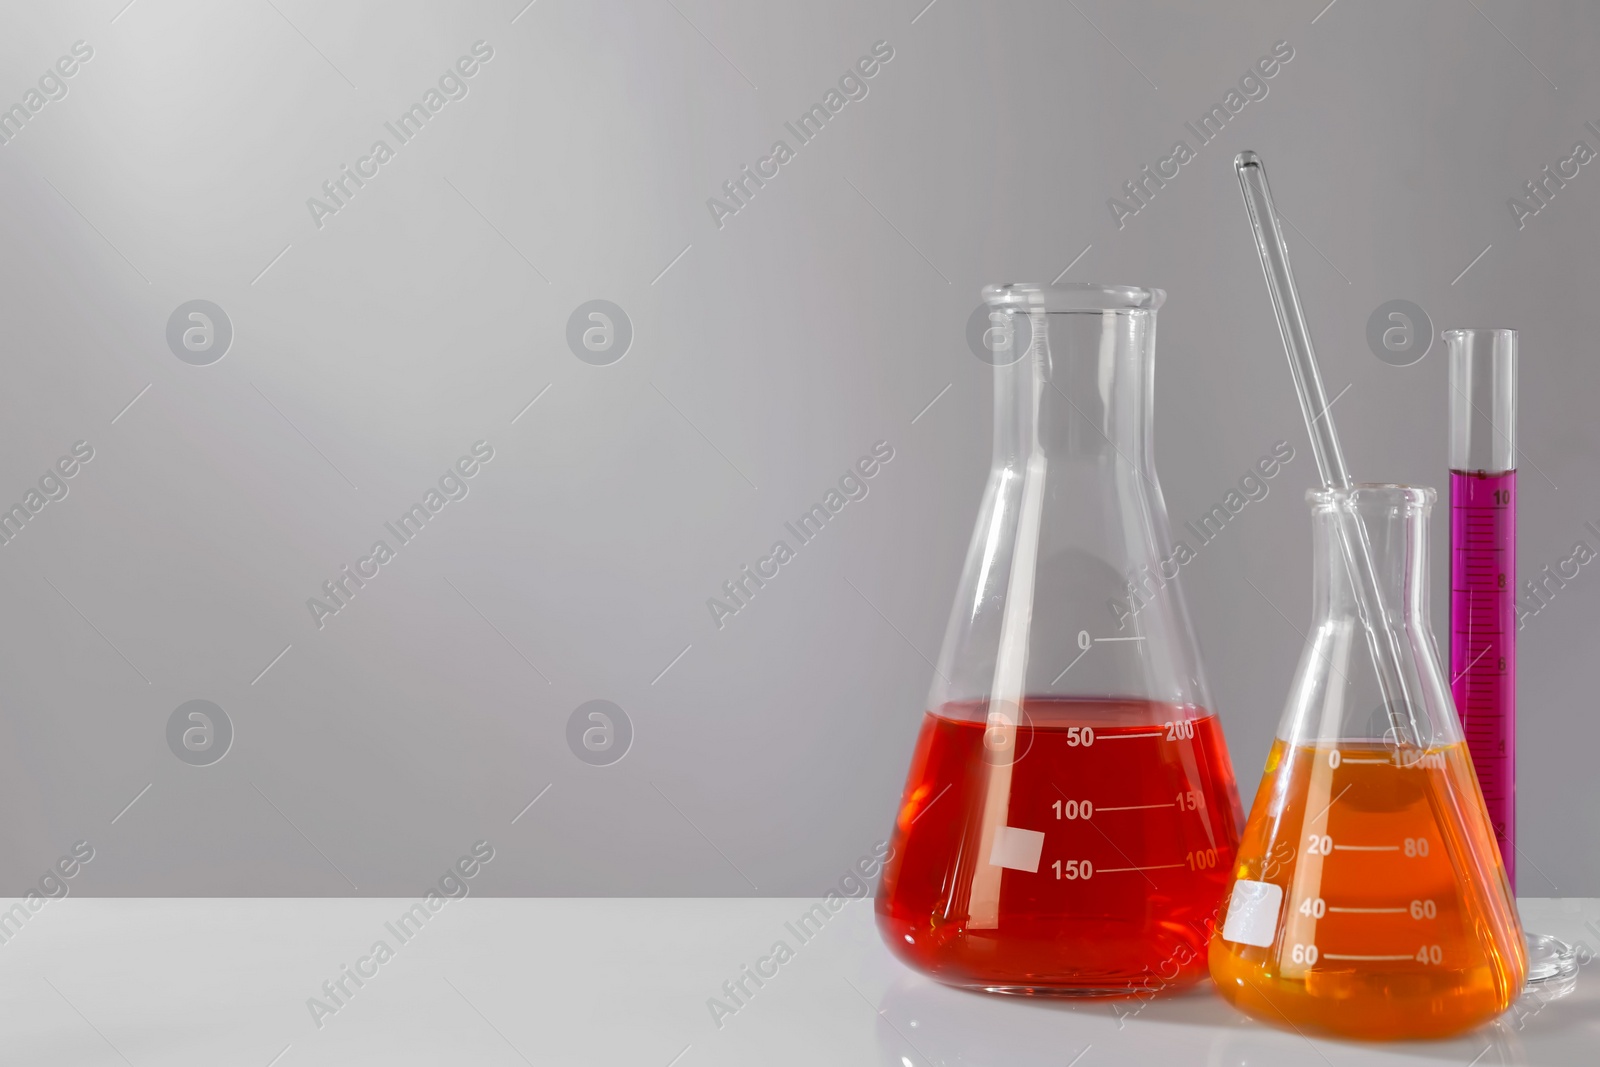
<point x="1382" y="682"/>
<point x="1081" y="390"/>
<point x="1395" y="519"/>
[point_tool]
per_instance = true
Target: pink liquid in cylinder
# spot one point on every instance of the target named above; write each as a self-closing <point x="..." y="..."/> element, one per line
<point x="1483" y="639"/>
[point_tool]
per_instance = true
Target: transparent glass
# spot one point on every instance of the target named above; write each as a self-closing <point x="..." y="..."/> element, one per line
<point x="1369" y="898"/>
<point x="1070" y="814"/>
<point x="1483" y="590"/>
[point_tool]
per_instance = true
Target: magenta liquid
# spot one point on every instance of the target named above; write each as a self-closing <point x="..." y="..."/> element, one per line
<point x="1483" y="639"/>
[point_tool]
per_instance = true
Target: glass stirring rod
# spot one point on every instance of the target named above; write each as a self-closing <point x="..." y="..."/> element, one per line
<point x="1354" y="543"/>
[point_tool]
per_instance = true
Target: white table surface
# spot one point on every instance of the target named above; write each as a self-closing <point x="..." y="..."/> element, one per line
<point x="621" y="981"/>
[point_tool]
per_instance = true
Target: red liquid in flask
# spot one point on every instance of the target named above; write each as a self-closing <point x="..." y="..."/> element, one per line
<point x="1483" y="639"/>
<point x="1126" y="812"/>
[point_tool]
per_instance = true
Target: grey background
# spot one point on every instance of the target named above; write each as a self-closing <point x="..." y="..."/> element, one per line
<point x="767" y="356"/>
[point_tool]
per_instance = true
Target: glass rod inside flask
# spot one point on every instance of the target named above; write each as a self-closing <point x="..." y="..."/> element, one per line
<point x="1314" y="406"/>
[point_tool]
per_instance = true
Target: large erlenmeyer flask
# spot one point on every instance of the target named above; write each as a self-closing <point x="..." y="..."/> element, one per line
<point x="1070" y="817"/>
<point x="1369" y="897"/>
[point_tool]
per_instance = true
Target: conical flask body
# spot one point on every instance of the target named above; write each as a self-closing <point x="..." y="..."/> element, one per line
<point x="1070" y="816"/>
<point x="1369" y="898"/>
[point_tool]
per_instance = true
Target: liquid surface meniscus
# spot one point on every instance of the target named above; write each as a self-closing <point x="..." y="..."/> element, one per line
<point x="1369" y="899"/>
<point x="1083" y="854"/>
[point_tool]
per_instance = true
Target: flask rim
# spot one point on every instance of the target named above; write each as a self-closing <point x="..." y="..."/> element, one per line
<point x="1072" y="296"/>
<point x="1488" y="333"/>
<point x="1373" y="495"/>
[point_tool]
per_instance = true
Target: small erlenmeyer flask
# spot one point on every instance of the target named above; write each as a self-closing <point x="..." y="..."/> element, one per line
<point x="1369" y="898"/>
<point x="1070" y="815"/>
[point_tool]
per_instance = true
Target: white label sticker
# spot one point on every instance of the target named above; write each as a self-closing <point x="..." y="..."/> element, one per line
<point x="1017" y="849"/>
<point x="1253" y="913"/>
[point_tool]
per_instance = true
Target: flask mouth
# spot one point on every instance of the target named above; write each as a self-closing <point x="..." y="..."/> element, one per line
<point x="1483" y="399"/>
<point x="1072" y="296"/>
<point x="1369" y="496"/>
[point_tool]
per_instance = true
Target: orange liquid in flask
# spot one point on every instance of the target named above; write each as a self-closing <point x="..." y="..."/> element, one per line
<point x="1388" y="919"/>
<point x="1119" y="823"/>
